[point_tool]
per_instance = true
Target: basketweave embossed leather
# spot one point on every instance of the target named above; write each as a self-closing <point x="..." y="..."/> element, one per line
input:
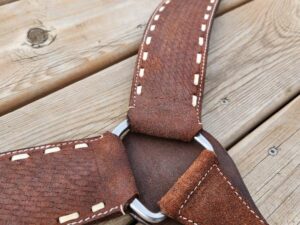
<point x="74" y="182"/>
<point x="169" y="77"/>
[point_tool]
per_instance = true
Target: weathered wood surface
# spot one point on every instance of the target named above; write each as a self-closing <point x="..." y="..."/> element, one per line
<point x="269" y="161"/>
<point x="248" y="79"/>
<point x="83" y="38"/>
<point x="3" y="2"/>
<point x="253" y="72"/>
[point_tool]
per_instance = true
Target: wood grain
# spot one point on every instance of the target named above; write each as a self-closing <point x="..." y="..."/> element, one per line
<point x="269" y="161"/>
<point x="3" y="2"/>
<point x="253" y="71"/>
<point x="84" y="37"/>
<point x="228" y="5"/>
<point x="243" y="87"/>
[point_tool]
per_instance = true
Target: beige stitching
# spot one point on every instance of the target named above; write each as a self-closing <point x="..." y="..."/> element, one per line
<point x="141" y="55"/>
<point x="196" y="79"/>
<point x="139" y="90"/>
<point x="51" y="150"/>
<point x="66" y="218"/>
<point x="195" y="188"/>
<point x="145" y="56"/>
<point x="148" y="40"/>
<point x="81" y="146"/>
<point x="201" y="41"/>
<point x="142" y="72"/>
<point x="94" y="216"/>
<point x="122" y="210"/>
<point x="194" y="100"/>
<point x="161" y="8"/>
<point x="199" y="58"/>
<point x="43" y="147"/>
<point x="97" y="207"/>
<point x="20" y="157"/>
<point x="230" y="185"/>
<point x="211" y="11"/>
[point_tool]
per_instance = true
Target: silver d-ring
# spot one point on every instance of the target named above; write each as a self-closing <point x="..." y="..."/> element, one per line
<point x="136" y="205"/>
<point x="124" y="127"/>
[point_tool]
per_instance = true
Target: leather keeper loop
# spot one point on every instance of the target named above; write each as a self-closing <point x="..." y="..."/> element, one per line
<point x="169" y="78"/>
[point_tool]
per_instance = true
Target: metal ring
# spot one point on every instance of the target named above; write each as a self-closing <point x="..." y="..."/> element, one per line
<point x="124" y="127"/>
<point x="136" y="205"/>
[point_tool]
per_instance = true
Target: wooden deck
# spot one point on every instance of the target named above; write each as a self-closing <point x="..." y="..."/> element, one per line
<point x="77" y="83"/>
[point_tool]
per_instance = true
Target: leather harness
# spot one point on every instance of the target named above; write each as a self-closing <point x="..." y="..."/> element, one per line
<point x="159" y="165"/>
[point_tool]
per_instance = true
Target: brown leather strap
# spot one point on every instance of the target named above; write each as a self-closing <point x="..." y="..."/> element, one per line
<point x="157" y="163"/>
<point x="205" y="195"/>
<point x="74" y="182"/>
<point x="168" y="85"/>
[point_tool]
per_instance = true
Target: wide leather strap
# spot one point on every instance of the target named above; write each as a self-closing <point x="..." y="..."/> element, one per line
<point x="205" y="195"/>
<point x="168" y="84"/>
<point x="74" y="182"/>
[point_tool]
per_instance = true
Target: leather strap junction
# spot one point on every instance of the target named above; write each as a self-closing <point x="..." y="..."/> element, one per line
<point x="84" y="181"/>
<point x="74" y="182"/>
<point x="205" y="195"/>
<point x="169" y="77"/>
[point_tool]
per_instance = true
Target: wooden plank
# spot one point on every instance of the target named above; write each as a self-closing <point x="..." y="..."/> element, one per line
<point x="243" y="86"/>
<point x="97" y="103"/>
<point x="228" y="5"/>
<point x="269" y="161"/>
<point x="3" y="2"/>
<point x="78" y="38"/>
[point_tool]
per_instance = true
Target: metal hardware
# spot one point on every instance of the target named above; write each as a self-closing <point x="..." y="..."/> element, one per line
<point x="124" y="126"/>
<point x="136" y="205"/>
<point x="121" y="128"/>
<point x="204" y="142"/>
<point x="145" y="213"/>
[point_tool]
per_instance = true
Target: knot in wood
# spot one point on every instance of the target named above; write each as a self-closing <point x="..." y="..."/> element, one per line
<point x="37" y="36"/>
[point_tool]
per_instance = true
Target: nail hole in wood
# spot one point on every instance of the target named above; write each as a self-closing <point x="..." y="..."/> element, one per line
<point x="225" y="101"/>
<point x="273" y="151"/>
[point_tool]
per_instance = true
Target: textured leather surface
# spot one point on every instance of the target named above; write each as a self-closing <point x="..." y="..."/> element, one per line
<point x="164" y="84"/>
<point x="205" y="195"/>
<point x="157" y="163"/>
<point x="40" y="189"/>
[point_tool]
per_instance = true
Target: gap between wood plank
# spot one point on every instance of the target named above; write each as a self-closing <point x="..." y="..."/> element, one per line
<point x="47" y="112"/>
<point x="35" y="90"/>
<point x="263" y="119"/>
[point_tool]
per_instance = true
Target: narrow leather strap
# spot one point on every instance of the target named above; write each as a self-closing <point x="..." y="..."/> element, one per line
<point x="74" y="182"/>
<point x="205" y="195"/>
<point x="169" y="78"/>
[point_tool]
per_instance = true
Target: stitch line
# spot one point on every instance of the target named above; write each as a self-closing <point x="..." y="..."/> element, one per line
<point x="141" y="53"/>
<point x="230" y="185"/>
<point x="210" y="13"/>
<point x="95" y="215"/>
<point x="43" y="147"/>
